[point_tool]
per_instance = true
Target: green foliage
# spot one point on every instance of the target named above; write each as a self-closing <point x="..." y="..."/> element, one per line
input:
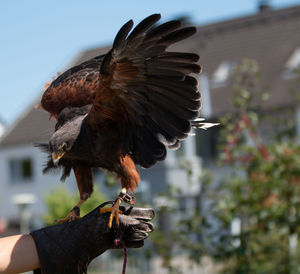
<point x="162" y="247"/>
<point x="266" y="198"/>
<point x="60" y="201"/>
<point x="263" y="191"/>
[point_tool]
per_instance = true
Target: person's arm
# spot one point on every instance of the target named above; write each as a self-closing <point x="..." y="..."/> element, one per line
<point x="18" y="254"/>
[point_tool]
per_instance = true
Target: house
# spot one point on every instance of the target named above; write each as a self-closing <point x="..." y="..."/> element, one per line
<point x="270" y="37"/>
<point x="21" y="164"/>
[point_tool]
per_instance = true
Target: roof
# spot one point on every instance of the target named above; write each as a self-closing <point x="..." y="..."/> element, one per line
<point x="270" y="37"/>
<point x="33" y="126"/>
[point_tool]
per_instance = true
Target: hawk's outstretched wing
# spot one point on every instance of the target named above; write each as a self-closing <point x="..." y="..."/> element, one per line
<point x="146" y="94"/>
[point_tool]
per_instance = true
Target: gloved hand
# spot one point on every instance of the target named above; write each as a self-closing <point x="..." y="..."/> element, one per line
<point x="70" y="247"/>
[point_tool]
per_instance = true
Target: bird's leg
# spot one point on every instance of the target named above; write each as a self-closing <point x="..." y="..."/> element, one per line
<point x="84" y="179"/>
<point x="74" y="213"/>
<point x="114" y="212"/>
<point x="115" y="209"/>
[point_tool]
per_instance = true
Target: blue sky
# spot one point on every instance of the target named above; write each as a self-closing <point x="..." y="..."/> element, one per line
<point x="38" y="38"/>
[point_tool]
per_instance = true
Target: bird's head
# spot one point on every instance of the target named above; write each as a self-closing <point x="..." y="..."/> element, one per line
<point x="64" y="138"/>
<point x="58" y="150"/>
<point x="60" y="144"/>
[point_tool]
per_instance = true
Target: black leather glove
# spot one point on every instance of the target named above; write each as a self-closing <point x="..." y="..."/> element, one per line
<point x="70" y="247"/>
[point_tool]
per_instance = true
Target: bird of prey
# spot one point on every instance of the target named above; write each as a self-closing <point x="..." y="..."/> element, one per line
<point x="124" y="108"/>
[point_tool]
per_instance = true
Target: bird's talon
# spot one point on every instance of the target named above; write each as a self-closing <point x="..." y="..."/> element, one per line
<point x="72" y="216"/>
<point x="114" y="213"/>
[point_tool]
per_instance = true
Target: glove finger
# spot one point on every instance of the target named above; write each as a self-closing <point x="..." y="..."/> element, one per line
<point x="127" y="221"/>
<point x="134" y="224"/>
<point x="146" y="214"/>
<point x="143" y="226"/>
<point x="136" y="236"/>
<point x="147" y="226"/>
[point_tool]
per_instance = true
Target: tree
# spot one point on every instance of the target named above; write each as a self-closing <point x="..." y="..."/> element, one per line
<point x="60" y="201"/>
<point x="264" y="192"/>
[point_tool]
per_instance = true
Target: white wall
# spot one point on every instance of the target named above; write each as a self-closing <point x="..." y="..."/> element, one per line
<point x="39" y="186"/>
<point x="177" y="176"/>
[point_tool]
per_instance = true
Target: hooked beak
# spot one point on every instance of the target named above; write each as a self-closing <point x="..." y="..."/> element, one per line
<point x="57" y="157"/>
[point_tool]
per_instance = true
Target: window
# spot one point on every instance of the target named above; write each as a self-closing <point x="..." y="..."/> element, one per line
<point x="21" y="170"/>
<point x="292" y="64"/>
<point x="143" y="192"/>
<point x="2" y="128"/>
<point x="207" y="144"/>
<point x="187" y="204"/>
<point x="222" y="73"/>
<point x="180" y="150"/>
<point x="204" y="84"/>
<point x="182" y="204"/>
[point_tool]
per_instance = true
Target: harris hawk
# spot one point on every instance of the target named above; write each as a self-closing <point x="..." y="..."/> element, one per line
<point x="124" y="108"/>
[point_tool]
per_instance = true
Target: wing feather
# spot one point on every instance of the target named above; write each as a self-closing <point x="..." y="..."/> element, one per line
<point x="146" y="90"/>
<point x="76" y="87"/>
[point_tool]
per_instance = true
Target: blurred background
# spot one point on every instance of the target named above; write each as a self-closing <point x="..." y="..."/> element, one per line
<point x="227" y="201"/>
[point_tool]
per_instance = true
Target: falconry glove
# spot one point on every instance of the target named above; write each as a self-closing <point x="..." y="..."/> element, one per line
<point x="70" y="247"/>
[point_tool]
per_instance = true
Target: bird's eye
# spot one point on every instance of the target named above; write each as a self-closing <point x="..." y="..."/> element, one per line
<point x="66" y="146"/>
<point x="63" y="147"/>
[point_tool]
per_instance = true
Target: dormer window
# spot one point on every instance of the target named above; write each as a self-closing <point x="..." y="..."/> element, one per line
<point x="222" y="73"/>
<point x="292" y="64"/>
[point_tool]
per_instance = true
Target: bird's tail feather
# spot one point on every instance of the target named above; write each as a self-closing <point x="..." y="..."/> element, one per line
<point x="198" y="123"/>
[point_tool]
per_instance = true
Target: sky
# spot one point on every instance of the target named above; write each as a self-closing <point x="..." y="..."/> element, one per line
<point x="40" y="38"/>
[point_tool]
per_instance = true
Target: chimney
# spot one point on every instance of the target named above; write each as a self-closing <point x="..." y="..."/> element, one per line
<point x="264" y="5"/>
